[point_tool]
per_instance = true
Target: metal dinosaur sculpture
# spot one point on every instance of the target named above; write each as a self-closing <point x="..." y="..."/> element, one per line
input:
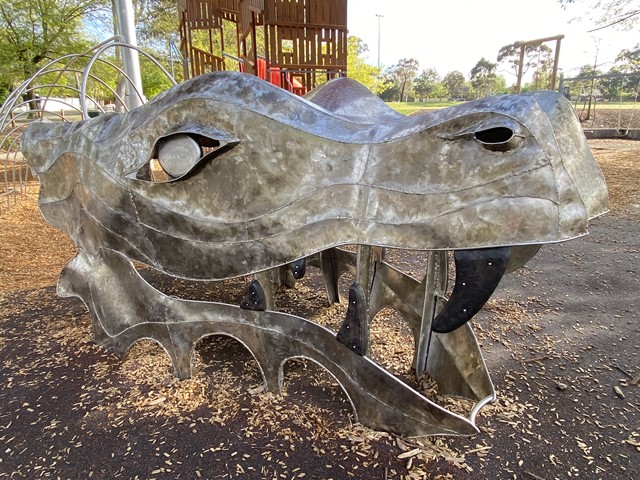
<point x="226" y="175"/>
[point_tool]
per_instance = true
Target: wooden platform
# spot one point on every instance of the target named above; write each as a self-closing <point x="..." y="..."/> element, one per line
<point x="295" y="44"/>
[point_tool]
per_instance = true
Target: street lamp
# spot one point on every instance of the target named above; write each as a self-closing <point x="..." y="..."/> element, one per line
<point x="379" y="17"/>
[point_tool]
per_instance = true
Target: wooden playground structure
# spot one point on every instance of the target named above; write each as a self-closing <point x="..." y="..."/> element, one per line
<point x="295" y="44"/>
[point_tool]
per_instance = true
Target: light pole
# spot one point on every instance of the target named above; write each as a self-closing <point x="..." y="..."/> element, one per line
<point x="130" y="60"/>
<point x="379" y="17"/>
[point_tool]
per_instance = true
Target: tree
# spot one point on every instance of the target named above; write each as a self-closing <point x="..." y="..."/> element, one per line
<point x="154" y="81"/>
<point x="391" y="92"/>
<point x="33" y="32"/>
<point x="500" y="85"/>
<point x="403" y="75"/>
<point x="426" y="83"/>
<point x="484" y="78"/>
<point x="612" y="88"/>
<point x="629" y="60"/>
<point x="156" y="20"/>
<point x="454" y="82"/>
<point x="534" y="57"/>
<point x="439" y="91"/>
<point x="359" y="69"/>
<point x="609" y="13"/>
<point x="583" y="89"/>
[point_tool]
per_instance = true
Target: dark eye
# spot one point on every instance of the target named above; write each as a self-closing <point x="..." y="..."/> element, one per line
<point x="498" y="139"/>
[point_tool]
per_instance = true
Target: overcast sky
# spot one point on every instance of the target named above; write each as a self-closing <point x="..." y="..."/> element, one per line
<point x="454" y="34"/>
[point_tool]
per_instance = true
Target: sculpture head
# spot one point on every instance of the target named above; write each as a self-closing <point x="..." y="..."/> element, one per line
<point x="226" y="175"/>
<point x="266" y="178"/>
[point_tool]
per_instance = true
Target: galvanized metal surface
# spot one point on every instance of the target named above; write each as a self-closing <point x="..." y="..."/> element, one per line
<point x="282" y="179"/>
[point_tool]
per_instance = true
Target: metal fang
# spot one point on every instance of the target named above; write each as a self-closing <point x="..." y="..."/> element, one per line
<point x="255" y="299"/>
<point x="354" y="332"/>
<point x="478" y="273"/>
<point x="299" y="268"/>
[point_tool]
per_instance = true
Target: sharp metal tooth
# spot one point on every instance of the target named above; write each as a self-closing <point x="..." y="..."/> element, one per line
<point x="478" y="273"/>
<point x="354" y="331"/>
<point x="299" y="268"/>
<point x="255" y="299"/>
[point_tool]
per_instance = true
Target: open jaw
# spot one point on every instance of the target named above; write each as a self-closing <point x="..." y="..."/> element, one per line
<point x="226" y="176"/>
<point x="105" y="283"/>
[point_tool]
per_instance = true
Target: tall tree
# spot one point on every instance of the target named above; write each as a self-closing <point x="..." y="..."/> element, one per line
<point x="534" y="56"/>
<point x="35" y="31"/>
<point x="610" y="13"/>
<point x="404" y="74"/>
<point x="391" y="92"/>
<point x="359" y="69"/>
<point x="583" y="89"/>
<point x="439" y="91"/>
<point x="426" y="83"/>
<point x="484" y="78"/>
<point x="156" y="20"/>
<point x="454" y="82"/>
<point x="629" y="59"/>
<point x="612" y="88"/>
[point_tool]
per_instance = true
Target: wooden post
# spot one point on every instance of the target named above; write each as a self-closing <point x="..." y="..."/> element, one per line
<point x="556" y="60"/>
<point x="520" y="67"/>
<point x="537" y="42"/>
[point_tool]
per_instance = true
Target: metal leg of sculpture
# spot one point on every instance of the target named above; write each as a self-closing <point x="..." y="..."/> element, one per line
<point x="435" y="287"/>
<point x="457" y="374"/>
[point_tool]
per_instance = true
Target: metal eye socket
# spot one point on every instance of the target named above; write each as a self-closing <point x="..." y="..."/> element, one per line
<point x="498" y="139"/>
<point x="181" y="152"/>
<point x="178" y="154"/>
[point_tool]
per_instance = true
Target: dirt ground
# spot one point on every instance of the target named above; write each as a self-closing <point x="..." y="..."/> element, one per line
<point x="561" y="339"/>
<point x="608" y="117"/>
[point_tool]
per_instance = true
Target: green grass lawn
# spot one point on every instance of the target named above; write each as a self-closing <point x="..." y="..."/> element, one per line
<point x="407" y="108"/>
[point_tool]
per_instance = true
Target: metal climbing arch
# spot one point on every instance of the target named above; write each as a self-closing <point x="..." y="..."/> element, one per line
<point x="61" y="91"/>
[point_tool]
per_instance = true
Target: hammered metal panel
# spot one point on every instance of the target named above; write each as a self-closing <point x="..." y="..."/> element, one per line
<point x="281" y="183"/>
